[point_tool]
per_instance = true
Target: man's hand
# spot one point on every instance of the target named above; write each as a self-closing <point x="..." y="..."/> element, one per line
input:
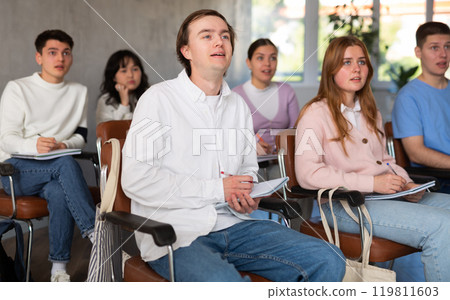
<point x="60" y="146"/>
<point x="47" y="144"/>
<point x="237" y="193"/>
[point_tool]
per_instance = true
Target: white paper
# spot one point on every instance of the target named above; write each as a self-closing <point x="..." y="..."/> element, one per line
<point x="262" y="189"/>
<point x="402" y="193"/>
<point x="267" y="188"/>
<point x="46" y="156"/>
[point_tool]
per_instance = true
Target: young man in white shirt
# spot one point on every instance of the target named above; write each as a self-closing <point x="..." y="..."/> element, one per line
<point x="187" y="135"/>
<point x="41" y="113"/>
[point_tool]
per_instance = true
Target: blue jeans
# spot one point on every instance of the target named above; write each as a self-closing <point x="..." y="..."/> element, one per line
<point x="61" y="183"/>
<point x="445" y="185"/>
<point x="264" y="248"/>
<point x="424" y="225"/>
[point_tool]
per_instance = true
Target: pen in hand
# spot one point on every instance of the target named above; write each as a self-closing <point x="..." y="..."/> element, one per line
<point x="392" y="169"/>
<point x="228" y="174"/>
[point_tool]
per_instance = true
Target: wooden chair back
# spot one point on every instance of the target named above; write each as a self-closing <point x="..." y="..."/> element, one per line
<point x="398" y="153"/>
<point x="105" y="131"/>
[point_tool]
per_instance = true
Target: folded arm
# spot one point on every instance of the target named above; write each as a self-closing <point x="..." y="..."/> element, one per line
<point x="420" y="154"/>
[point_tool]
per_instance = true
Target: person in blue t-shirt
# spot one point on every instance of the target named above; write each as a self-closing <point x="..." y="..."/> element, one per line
<point x="421" y="114"/>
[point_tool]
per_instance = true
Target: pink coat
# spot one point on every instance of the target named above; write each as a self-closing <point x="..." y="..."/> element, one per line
<point x="322" y="163"/>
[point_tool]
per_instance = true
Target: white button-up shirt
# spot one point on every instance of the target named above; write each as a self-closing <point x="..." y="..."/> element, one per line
<point x="352" y="114"/>
<point x="175" y="152"/>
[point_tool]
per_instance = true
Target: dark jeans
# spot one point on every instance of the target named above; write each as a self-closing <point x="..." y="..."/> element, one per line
<point x="265" y="248"/>
<point x="61" y="183"/>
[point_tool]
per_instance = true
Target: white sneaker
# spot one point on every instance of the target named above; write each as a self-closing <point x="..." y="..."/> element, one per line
<point x="60" y="276"/>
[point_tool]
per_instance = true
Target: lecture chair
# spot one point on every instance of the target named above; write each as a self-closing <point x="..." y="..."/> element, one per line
<point x="27" y="208"/>
<point x="135" y="269"/>
<point x="396" y="150"/>
<point x="110" y="129"/>
<point x="381" y="250"/>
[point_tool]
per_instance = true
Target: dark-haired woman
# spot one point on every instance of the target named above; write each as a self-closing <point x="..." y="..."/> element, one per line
<point x="124" y="81"/>
<point x="273" y="105"/>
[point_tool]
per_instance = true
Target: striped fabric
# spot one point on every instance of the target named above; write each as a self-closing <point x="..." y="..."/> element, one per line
<point x="106" y="237"/>
<point x="100" y="263"/>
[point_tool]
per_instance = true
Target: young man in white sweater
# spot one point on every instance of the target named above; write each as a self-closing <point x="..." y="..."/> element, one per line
<point x="41" y="113"/>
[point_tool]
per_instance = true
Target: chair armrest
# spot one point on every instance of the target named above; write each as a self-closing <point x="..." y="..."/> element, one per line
<point x="6" y="169"/>
<point x="162" y="233"/>
<point x="417" y="178"/>
<point x="290" y="208"/>
<point x="354" y="198"/>
<point x="92" y="156"/>
<point x="426" y="171"/>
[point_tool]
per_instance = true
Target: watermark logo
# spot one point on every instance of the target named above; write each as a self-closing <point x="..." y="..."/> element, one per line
<point x="146" y="141"/>
<point x="149" y="140"/>
<point x="234" y="141"/>
<point x="208" y="138"/>
<point x="309" y="138"/>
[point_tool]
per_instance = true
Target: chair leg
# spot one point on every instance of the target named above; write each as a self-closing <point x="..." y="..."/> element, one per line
<point x="171" y="264"/>
<point x="29" y="248"/>
<point x="116" y="259"/>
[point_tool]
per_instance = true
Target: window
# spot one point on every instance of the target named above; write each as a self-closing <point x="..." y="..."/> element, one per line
<point x="338" y="18"/>
<point x="283" y="23"/>
<point x="441" y="9"/>
<point x="399" y="19"/>
<point x="390" y="24"/>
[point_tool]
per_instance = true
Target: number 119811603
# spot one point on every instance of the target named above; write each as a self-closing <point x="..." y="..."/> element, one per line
<point x="413" y="291"/>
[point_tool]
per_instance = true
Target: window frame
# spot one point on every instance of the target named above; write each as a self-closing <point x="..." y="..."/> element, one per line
<point x="311" y="62"/>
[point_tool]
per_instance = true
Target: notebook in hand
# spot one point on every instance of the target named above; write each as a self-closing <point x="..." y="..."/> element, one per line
<point x="267" y="188"/>
<point x="262" y="189"/>
<point x="46" y="156"/>
<point x="402" y="193"/>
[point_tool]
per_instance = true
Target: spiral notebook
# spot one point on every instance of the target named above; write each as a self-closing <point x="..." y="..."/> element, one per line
<point x="402" y="193"/>
<point x="46" y="156"/>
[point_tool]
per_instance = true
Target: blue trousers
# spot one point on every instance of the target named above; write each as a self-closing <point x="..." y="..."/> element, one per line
<point x="445" y="186"/>
<point x="61" y="183"/>
<point x="424" y="225"/>
<point x="261" y="247"/>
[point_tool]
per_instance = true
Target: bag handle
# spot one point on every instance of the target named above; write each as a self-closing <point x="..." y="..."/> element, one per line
<point x="367" y="235"/>
<point x="109" y="194"/>
<point x="324" y="219"/>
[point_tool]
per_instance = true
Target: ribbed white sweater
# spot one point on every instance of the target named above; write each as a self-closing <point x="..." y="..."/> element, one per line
<point x="30" y="107"/>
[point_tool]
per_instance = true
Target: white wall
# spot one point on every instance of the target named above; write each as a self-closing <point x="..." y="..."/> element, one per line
<point x="147" y="26"/>
<point x="100" y="27"/>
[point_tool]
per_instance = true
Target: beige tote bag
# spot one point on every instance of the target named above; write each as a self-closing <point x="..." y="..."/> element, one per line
<point x="355" y="271"/>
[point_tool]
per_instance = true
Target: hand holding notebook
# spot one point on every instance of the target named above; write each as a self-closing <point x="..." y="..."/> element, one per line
<point x="263" y="189"/>
<point x="402" y="193"/>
